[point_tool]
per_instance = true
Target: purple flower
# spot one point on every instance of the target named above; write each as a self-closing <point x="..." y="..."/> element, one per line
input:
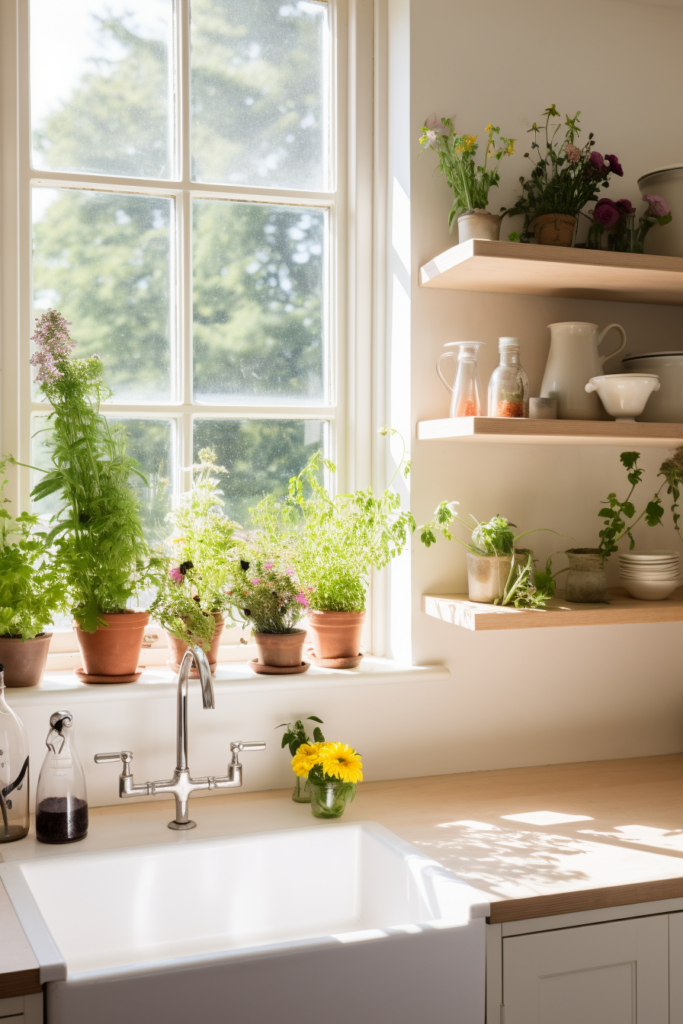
<point x="255" y="581"/>
<point x="597" y="163"/>
<point x="658" y="206"/>
<point x="606" y="213"/>
<point x="290" y="572"/>
<point x="625" y="207"/>
<point x="614" y="165"/>
<point x="54" y="345"/>
<point x="433" y="128"/>
<point x="269" y="565"/>
<point x="302" y="599"/>
<point x="176" y="575"/>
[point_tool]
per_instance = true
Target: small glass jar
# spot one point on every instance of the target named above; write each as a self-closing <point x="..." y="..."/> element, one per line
<point x="302" y="791"/>
<point x="465" y="395"/>
<point x="14" y="787"/>
<point x="509" y="384"/>
<point x="329" y="798"/>
<point x="61" y="800"/>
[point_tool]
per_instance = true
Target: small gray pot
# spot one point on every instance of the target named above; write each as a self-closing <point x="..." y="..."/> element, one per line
<point x="586" y="579"/>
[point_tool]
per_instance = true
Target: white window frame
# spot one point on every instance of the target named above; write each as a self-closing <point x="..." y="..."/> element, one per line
<point x="354" y="410"/>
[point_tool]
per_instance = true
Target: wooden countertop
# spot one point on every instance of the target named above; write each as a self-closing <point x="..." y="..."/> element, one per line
<point x="610" y="833"/>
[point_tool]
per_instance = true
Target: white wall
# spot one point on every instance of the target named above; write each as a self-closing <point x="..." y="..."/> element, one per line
<point x="533" y="697"/>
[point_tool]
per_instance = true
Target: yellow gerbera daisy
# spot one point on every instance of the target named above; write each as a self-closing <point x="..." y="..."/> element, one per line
<point x="306" y="757"/>
<point x="341" y="761"/>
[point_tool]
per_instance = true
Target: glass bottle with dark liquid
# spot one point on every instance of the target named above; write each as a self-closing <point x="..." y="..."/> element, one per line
<point x="61" y="800"/>
<point x="14" y="788"/>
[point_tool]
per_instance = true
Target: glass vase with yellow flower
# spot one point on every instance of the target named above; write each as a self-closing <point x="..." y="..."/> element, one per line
<point x="333" y="770"/>
<point x="294" y="738"/>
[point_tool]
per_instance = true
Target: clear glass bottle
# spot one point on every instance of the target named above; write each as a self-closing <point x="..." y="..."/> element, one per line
<point x="61" y="800"/>
<point x="14" y="787"/>
<point x="509" y="384"/>
<point x="466" y="394"/>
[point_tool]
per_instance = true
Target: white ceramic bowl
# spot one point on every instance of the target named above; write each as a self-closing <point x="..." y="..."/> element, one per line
<point x="650" y="590"/>
<point x="624" y="395"/>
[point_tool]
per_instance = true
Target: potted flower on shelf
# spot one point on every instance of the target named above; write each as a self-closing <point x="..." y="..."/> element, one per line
<point x="266" y="594"/>
<point x="192" y="595"/>
<point x="334" y="543"/>
<point x="100" y="549"/>
<point x="31" y="591"/>
<point x="564" y="178"/>
<point x="471" y="183"/>
<point x="616" y="223"/>
<point x="333" y="771"/>
<point x="294" y="738"/>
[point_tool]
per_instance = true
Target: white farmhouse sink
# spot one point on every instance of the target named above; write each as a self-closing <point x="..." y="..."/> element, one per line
<point x="348" y="919"/>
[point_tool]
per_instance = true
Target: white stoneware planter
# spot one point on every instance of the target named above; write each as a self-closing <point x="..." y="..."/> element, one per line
<point x="478" y="224"/>
<point x="667" y="183"/>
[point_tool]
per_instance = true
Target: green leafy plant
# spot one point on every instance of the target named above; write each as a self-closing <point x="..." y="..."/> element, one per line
<point x="97" y="534"/>
<point x="266" y="593"/>
<point x="620" y="515"/>
<point x="564" y="177"/>
<point x="334" y="542"/>
<point x="31" y="587"/>
<point x="195" y="587"/>
<point x="296" y="734"/>
<point x="470" y="182"/>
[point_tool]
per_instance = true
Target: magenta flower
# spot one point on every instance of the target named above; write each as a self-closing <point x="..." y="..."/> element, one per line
<point x="302" y="599"/>
<point x="255" y="581"/>
<point x="573" y="154"/>
<point x="597" y="163"/>
<point x="625" y="207"/>
<point x="606" y="213"/>
<point x="658" y="206"/>
<point x="52" y="337"/>
<point x="290" y="572"/>
<point x="614" y="165"/>
<point x="269" y="565"/>
<point x="176" y="575"/>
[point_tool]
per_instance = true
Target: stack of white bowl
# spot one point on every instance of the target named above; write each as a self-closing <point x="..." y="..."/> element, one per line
<point x="650" y="575"/>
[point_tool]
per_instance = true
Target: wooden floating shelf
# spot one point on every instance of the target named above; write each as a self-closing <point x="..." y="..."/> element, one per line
<point x="622" y="610"/>
<point x="513" y="267"/>
<point x="503" y="430"/>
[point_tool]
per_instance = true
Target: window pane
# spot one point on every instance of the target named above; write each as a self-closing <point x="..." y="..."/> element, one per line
<point x="101" y="86"/>
<point x="152" y="443"/>
<point x="104" y="261"/>
<point x="258" y="302"/>
<point x="259" y="93"/>
<point x="260" y="456"/>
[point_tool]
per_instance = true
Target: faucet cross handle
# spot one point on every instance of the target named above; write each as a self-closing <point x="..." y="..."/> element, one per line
<point x="122" y="755"/>
<point x="238" y="745"/>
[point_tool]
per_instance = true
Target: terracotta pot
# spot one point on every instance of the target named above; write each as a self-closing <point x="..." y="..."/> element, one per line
<point x="586" y="579"/>
<point x="281" y="650"/>
<point x="24" y="661"/>
<point x="336" y="634"/>
<point x="178" y="648"/>
<point x="114" y="649"/>
<point x="553" y="229"/>
<point x="478" y="224"/>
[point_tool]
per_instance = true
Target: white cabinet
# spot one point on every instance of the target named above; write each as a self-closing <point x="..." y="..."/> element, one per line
<point x="22" y="1010"/>
<point x="612" y="973"/>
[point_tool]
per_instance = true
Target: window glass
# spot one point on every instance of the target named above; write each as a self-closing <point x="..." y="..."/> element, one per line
<point x="258" y="302"/>
<point x="104" y="261"/>
<point x="259" y="93"/>
<point x="101" y="87"/>
<point x="260" y="456"/>
<point x="152" y="443"/>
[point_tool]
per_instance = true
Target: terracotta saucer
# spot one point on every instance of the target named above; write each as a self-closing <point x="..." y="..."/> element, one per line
<point x="335" y="662"/>
<point x="278" y="670"/>
<point x="132" y="678"/>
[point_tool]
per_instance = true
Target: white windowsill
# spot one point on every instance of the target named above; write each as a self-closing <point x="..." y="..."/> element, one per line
<point x="230" y="677"/>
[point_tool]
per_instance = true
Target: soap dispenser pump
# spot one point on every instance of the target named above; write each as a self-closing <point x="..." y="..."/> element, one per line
<point x="61" y="800"/>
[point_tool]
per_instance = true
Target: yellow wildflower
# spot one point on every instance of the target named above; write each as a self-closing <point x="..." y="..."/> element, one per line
<point x="306" y="757"/>
<point x="489" y="128"/>
<point x="341" y="761"/>
<point x="511" y="147"/>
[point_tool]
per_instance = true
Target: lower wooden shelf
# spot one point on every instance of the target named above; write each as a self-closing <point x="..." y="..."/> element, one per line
<point x="501" y="430"/>
<point x="458" y="610"/>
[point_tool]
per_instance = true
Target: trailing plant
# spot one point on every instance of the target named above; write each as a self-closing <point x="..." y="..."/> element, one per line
<point x="296" y="734"/>
<point x="620" y="515"/>
<point x="97" y="534"/>
<point x="471" y="182"/>
<point x="334" y="542"/>
<point x="194" y="589"/>
<point x="266" y="593"/>
<point x="564" y="177"/>
<point x="31" y="587"/>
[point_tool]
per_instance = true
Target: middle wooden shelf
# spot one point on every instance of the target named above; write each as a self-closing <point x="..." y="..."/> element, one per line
<point x="504" y="430"/>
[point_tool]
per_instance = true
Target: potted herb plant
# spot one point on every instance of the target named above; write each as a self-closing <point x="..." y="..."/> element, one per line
<point x="616" y="223"/>
<point x="471" y="182"/>
<point x="334" y="543"/>
<point x="333" y="771"/>
<point x="564" y="178"/>
<point x="192" y="594"/>
<point x="100" y="549"/>
<point x="31" y="591"/>
<point x="267" y="595"/>
<point x="294" y="738"/>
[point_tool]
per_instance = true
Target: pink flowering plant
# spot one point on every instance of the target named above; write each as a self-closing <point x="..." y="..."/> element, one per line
<point x="265" y="592"/>
<point x="470" y="181"/>
<point x="565" y="176"/>
<point x="616" y="223"/>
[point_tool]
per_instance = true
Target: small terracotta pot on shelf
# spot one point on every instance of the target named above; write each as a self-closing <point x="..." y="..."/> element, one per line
<point x="178" y="648"/>
<point x="281" y="650"/>
<point x="111" y="654"/>
<point x="553" y="229"/>
<point x="24" y="660"/>
<point x="336" y="636"/>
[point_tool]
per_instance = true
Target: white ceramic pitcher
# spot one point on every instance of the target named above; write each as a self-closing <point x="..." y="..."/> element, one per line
<point x="572" y="361"/>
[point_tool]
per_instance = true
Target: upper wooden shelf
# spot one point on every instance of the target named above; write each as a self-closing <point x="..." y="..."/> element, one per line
<point x="512" y="267"/>
<point x="504" y="430"/>
<point x="622" y="610"/>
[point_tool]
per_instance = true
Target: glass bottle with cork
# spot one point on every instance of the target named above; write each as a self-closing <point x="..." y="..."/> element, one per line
<point x="509" y="384"/>
<point x="61" y="800"/>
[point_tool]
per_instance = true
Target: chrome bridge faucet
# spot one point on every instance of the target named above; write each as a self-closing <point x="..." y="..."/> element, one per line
<point x="182" y="785"/>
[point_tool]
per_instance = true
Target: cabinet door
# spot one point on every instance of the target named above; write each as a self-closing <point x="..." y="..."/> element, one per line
<point x="676" y="967"/>
<point x="615" y="973"/>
